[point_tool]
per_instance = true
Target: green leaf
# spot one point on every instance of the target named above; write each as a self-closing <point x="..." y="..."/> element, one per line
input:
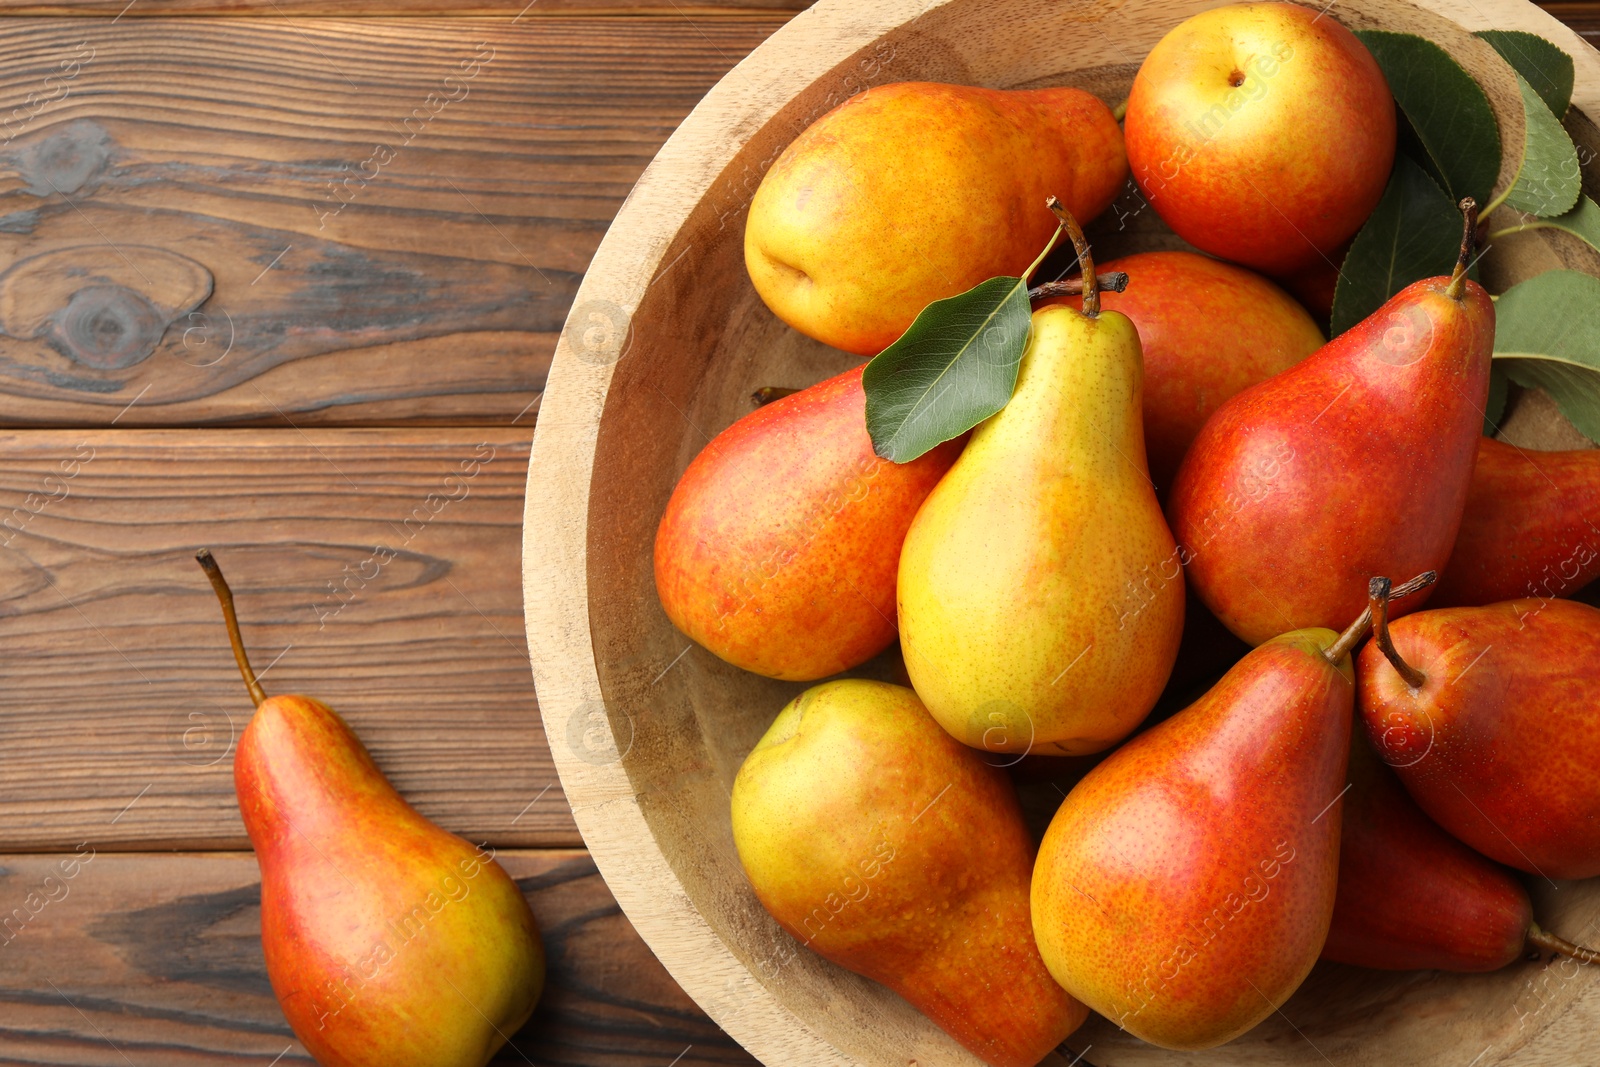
<point x="1583" y="222"/>
<point x="953" y="367"/>
<point x="1547" y="335"/>
<point x="1548" y="179"/>
<point x="1499" y="389"/>
<point x="1547" y="68"/>
<point x="1455" y="127"/>
<point x="1413" y="233"/>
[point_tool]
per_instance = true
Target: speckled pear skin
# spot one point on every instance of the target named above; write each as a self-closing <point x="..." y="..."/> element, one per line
<point x="1531" y="527"/>
<point x="1363" y="452"/>
<point x="1184" y="888"/>
<point x="911" y="192"/>
<point x="1411" y="897"/>
<point x="780" y="544"/>
<point x="1041" y="596"/>
<point x="1500" y="744"/>
<point x="389" y="941"/>
<point x="878" y="841"/>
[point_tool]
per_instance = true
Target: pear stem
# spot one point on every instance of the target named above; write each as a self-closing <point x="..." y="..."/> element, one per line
<point x="1551" y="943"/>
<point x="231" y="618"/>
<point x="1379" y="606"/>
<point x="1358" y="630"/>
<point x="1469" y="234"/>
<point x="1110" y="282"/>
<point x="1091" y="288"/>
<point x="768" y="393"/>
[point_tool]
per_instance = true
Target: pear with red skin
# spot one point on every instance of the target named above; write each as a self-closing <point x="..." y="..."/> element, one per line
<point x="1184" y="887"/>
<point x="780" y="545"/>
<point x="1413" y="898"/>
<point x="1389" y="411"/>
<point x="1208" y="330"/>
<point x="1531" y="527"/>
<point x="1488" y="717"/>
<point x="888" y="847"/>
<point x="389" y="942"/>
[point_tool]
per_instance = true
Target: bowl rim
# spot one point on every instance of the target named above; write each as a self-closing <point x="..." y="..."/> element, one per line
<point x="561" y="467"/>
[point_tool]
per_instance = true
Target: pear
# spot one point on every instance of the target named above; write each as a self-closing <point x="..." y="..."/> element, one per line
<point x="779" y="547"/>
<point x="389" y="942"/>
<point x="1411" y="897"/>
<point x="1365" y="450"/>
<point x="1531" y="527"/>
<point x="1488" y="717"/>
<point x="1185" y="886"/>
<point x="1041" y="597"/>
<point x="911" y="192"/>
<point x="878" y="841"/>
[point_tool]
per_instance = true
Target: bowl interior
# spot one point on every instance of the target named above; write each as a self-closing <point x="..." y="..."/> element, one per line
<point x="700" y="341"/>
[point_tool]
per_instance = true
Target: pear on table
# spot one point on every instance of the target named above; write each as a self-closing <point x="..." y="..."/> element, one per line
<point x="1041" y="597"/>
<point x="389" y="942"/>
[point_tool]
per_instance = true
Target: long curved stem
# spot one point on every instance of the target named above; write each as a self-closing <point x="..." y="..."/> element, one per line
<point x="1358" y="630"/>
<point x="1380" y="634"/>
<point x="1091" y="289"/>
<point x="1469" y="236"/>
<point x="1551" y="943"/>
<point x="231" y="619"/>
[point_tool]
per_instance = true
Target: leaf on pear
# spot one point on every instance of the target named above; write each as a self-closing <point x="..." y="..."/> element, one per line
<point x="955" y="366"/>
<point x="1547" y="335"/>
<point x="1548" y="69"/>
<point x="1413" y="233"/>
<point x="1455" y="127"/>
<point x="1583" y="222"/>
<point x="1548" y="179"/>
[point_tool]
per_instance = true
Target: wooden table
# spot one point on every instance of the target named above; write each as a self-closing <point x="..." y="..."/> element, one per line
<point x="283" y="278"/>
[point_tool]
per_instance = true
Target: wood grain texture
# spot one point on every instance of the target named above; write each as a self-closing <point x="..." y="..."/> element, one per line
<point x="616" y="430"/>
<point x="320" y="221"/>
<point x="514" y="9"/>
<point x="151" y="960"/>
<point x="380" y="565"/>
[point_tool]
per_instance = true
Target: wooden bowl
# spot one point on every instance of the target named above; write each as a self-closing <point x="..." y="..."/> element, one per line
<point x="666" y="341"/>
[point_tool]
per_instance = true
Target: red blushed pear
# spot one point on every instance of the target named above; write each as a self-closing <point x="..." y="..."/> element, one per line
<point x="1208" y="330"/>
<point x="1531" y="527"/>
<point x="1413" y="898"/>
<point x="886" y="846"/>
<point x="388" y="941"/>
<point x="1362" y="453"/>
<point x="1488" y="717"/>
<point x="779" y="547"/>
<point x="1262" y="133"/>
<point x="1185" y="886"/>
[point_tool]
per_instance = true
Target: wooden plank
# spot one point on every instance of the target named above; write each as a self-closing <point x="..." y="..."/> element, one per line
<point x="156" y="960"/>
<point x="381" y="566"/>
<point x="690" y="9"/>
<point x="338" y="222"/>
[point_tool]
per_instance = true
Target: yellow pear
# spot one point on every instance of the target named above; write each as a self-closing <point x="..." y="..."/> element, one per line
<point x="1040" y="591"/>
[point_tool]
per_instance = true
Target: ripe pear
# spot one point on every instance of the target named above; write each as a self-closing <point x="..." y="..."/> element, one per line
<point x="1363" y="450"/>
<point x="1413" y="898"/>
<point x="1208" y="330"/>
<point x="1184" y="887"/>
<point x="1041" y="598"/>
<point x="1488" y="716"/>
<point x="877" y="840"/>
<point x="912" y="192"/>
<point x="779" y="547"/>
<point x="1531" y="527"/>
<point x="389" y="942"/>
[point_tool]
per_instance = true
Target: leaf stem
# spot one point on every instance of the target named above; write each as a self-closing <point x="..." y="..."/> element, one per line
<point x="1091" y="289"/>
<point x="1509" y="230"/>
<point x="1469" y="235"/>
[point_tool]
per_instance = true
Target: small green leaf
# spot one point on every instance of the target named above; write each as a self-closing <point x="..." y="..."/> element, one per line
<point x="1547" y="334"/>
<point x="953" y="367"/>
<point x="1548" y="179"/>
<point x="1413" y="233"/>
<point x="1583" y="222"/>
<point x="1455" y="127"/>
<point x="1547" y="68"/>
